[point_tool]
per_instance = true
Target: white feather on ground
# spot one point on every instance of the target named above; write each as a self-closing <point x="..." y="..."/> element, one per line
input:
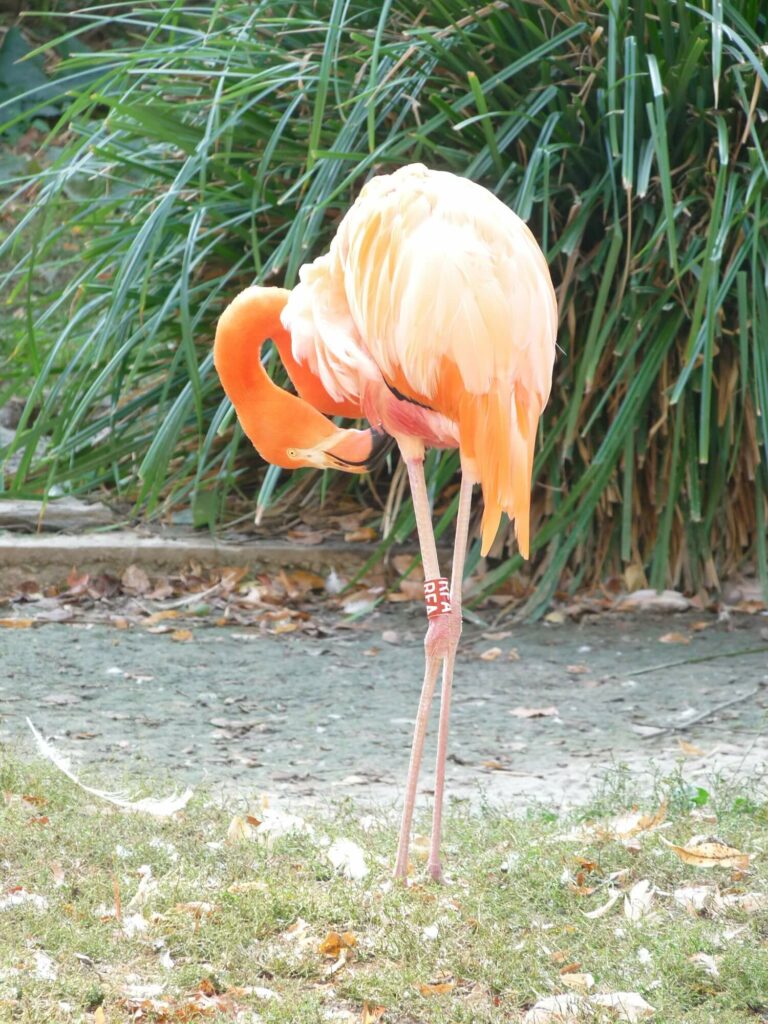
<point x="160" y="808"/>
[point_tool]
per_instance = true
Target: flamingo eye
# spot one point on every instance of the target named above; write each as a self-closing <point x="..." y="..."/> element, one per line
<point x="291" y="453"/>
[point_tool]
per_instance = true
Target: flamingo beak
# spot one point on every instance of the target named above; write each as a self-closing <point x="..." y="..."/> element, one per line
<point x="352" y="451"/>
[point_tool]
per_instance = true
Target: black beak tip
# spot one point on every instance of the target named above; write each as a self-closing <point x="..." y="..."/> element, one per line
<point x="382" y="445"/>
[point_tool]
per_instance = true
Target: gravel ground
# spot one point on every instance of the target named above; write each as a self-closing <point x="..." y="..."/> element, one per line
<point x="314" y="718"/>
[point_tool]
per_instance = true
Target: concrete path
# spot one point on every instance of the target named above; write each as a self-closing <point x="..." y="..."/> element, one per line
<point x="317" y="717"/>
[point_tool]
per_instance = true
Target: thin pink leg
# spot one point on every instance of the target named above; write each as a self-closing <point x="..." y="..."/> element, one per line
<point x="457" y="574"/>
<point x="431" y="571"/>
<point x="420" y="732"/>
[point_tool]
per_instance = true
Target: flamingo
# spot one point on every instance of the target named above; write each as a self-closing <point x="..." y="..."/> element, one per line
<point x="433" y="317"/>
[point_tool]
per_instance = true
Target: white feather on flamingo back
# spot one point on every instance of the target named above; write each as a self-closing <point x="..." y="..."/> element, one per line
<point x="323" y="333"/>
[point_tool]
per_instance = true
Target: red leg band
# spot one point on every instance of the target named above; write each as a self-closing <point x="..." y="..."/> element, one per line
<point x="437" y="596"/>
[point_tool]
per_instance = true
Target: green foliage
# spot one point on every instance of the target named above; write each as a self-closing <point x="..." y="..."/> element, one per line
<point x="20" y="77"/>
<point x="220" y="144"/>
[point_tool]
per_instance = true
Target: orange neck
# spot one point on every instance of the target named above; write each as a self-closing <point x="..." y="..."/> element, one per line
<point x="274" y="420"/>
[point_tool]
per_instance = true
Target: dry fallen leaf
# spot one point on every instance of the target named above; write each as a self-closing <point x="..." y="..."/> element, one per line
<point x="155" y="617"/>
<point x="420" y="847"/>
<point x="577" y="981"/>
<point x="694" y="898"/>
<point x="285" y="627"/>
<point x="17" y="623"/>
<point x="99" y="1016"/>
<point x="651" y="601"/>
<point x="674" y="638"/>
<point x="634" y="577"/>
<point x="143" y="1004"/>
<point x="334" y="942"/>
<point x="603" y="910"/>
<point x="371" y="1014"/>
<point x="239" y="829"/>
<point x="198" y="908"/>
<point x="437" y="988"/>
<point x="626" y="1006"/>
<point x="491" y="654"/>
<point x="567" y="1008"/>
<point x="364" y="533"/>
<point x="633" y="823"/>
<point x="746" y="902"/>
<point x="135" y="580"/>
<point x="637" y="902"/>
<point x="403" y="562"/>
<point x="36" y="801"/>
<point x="556" y="617"/>
<point x="709" y="853"/>
<point x="302" y="581"/>
<point x="578" y="887"/>
<point x="302" y="536"/>
<point x="297" y="932"/>
<point x="548" y="712"/>
<point x="690" y="749"/>
<point x="410" y="590"/>
<point x="181" y="635"/>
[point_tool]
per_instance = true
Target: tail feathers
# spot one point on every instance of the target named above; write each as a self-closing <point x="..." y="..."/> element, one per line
<point x="498" y="433"/>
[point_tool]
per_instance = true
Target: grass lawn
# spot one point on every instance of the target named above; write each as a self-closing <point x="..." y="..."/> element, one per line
<point x="109" y="916"/>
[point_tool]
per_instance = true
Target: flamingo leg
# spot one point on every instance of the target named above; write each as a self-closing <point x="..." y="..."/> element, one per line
<point x="420" y="731"/>
<point x="457" y="574"/>
<point x="415" y="467"/>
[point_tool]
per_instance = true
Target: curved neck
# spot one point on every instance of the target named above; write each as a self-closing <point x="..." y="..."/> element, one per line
<point x="273" y="419"/>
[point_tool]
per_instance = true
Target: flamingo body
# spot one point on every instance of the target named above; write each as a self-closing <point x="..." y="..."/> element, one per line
<point x="433" y="317"/>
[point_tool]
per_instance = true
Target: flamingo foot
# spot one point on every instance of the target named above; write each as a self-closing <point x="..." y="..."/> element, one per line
<point x="435" y="871"/>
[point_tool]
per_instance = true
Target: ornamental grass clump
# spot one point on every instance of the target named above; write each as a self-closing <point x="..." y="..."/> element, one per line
<point x="210" y="147"/>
